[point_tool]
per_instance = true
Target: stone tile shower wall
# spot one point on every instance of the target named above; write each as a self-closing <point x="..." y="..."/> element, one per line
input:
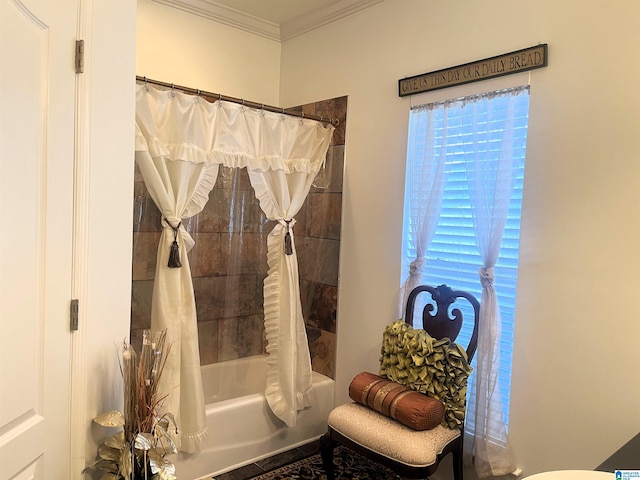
<point x="318" y="244"/>
<point x="228" y="261"/>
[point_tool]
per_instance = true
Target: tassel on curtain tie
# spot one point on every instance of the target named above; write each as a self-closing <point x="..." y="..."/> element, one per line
<point x="288" y="248"/>
<point x="174" y="253"/>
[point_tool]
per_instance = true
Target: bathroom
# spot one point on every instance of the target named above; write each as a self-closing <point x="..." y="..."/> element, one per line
<point x="578" y="210"/>
<point x="362" y="56"/>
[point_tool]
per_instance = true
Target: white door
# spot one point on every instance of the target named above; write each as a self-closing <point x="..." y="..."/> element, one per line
<point x="37" y="105"/>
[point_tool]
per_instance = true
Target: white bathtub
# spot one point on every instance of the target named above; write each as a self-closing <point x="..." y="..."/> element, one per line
<point x="242" y="428"/>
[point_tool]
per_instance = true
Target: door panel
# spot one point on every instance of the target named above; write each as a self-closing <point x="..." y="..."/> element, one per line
<point x="37" y="98"/>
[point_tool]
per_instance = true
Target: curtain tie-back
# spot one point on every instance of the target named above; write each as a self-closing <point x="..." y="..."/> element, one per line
<point x="288" y="224"/>
<point x="174" y="253"/>
<point x="486" y="277"/>
<point x="415" y="267"/>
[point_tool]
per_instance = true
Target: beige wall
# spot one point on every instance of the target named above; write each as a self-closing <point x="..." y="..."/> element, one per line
<point x="185" y="49"/>
<point x="576" y="388"/>
<point x="576" y="385"/>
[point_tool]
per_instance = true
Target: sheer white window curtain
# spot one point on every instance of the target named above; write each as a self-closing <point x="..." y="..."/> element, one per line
<point x="426" y="168"/>
<point x="180" y="142"/>
<point x="490" y="175"/>
<point x="483" y="129"/>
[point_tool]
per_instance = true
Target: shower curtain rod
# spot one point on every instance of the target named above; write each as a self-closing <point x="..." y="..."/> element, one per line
<point x="217" y="96"/>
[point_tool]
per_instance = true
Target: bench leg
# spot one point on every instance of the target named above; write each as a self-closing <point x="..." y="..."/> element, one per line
<point x="327" y="444"/>
<point x="457" y="464"/>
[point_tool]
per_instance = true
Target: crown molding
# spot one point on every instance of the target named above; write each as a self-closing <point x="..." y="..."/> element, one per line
<point x="299" y="25"/>
<point x="227" y="16"/>
<point x="323" y="16"/>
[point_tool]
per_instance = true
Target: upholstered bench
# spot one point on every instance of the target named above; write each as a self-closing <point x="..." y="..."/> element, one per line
<point x="390" y="438"/>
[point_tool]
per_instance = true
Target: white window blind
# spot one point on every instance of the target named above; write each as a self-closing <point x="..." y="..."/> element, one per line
<point x="453" y="258"/>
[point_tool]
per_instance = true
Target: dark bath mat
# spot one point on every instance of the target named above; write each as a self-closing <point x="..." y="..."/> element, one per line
<point x="348" y="466"/>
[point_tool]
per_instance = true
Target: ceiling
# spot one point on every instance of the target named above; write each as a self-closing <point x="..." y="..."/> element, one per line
<point x="278" y="20"/>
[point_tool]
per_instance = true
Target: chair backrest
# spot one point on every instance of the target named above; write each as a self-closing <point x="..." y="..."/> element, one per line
<point x="438" y="318"/>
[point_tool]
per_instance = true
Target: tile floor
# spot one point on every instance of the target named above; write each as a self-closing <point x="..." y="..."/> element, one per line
<point x="258" y="468"/>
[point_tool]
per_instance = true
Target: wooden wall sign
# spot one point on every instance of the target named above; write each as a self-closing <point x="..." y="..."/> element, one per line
<point x="514" y="62"/>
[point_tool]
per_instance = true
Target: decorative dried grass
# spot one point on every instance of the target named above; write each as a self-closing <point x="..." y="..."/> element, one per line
<point x="138" y="451"/>
<point x="141" y="375"/>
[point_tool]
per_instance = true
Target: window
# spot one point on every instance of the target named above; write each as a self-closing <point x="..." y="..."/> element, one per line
<point x="455" y="132"/>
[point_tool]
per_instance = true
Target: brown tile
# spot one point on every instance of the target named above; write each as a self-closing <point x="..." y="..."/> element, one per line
<point x="232" y="206"/>
<point x="335" y="160"/>
<point x="335" y="108"/>
<point x="208" y="342"/>
<point x="330" y="178"/>
<point x="243" y="473"/>
<point x="214" y="217"/>
<point x="325" y="215"/>
<point x="318" y="259"/>
<point x="135" y="339"/>
<point x="279" y="460"/>
<point x="307" y="291"/>
<point x="259" y="296"/>
<point x="248" y="216"/>
<point x="246" y="253"/>
<point x="146" y="216"/>
<point x="207" y="257"/>
<point x="309" y="109"/>
<point x="145" y="250"/>
<point x="137" y="174"/>
<point x="141" y="297"/>
<point x="322" y="307"/>
<point x="240" y="337"/>
<point x="309" y="449"/>
<point x="302" y="227"/>
<point x="225" y="297"/>
<point x="322" y="346"/>
<point x="233" y="179"/>
<point x="241" y="295"/>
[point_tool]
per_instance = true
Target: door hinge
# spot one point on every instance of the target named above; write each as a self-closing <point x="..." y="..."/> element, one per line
<point x="79" y="56"/>
<point x="73" y="314"/>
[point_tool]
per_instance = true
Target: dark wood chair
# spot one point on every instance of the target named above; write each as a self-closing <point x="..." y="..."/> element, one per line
<point x="409" y="453"/>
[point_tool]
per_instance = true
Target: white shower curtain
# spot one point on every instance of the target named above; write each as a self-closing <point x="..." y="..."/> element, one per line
<point x="180" y="142"/>
<point x="288" y="382"/>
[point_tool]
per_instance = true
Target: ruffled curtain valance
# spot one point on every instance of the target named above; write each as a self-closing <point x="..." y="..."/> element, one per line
<point x="180" y="142"/>
<point x="189" y="128"/>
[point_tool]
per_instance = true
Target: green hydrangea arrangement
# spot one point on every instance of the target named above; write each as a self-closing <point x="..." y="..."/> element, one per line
<point x="436" y="368"/>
